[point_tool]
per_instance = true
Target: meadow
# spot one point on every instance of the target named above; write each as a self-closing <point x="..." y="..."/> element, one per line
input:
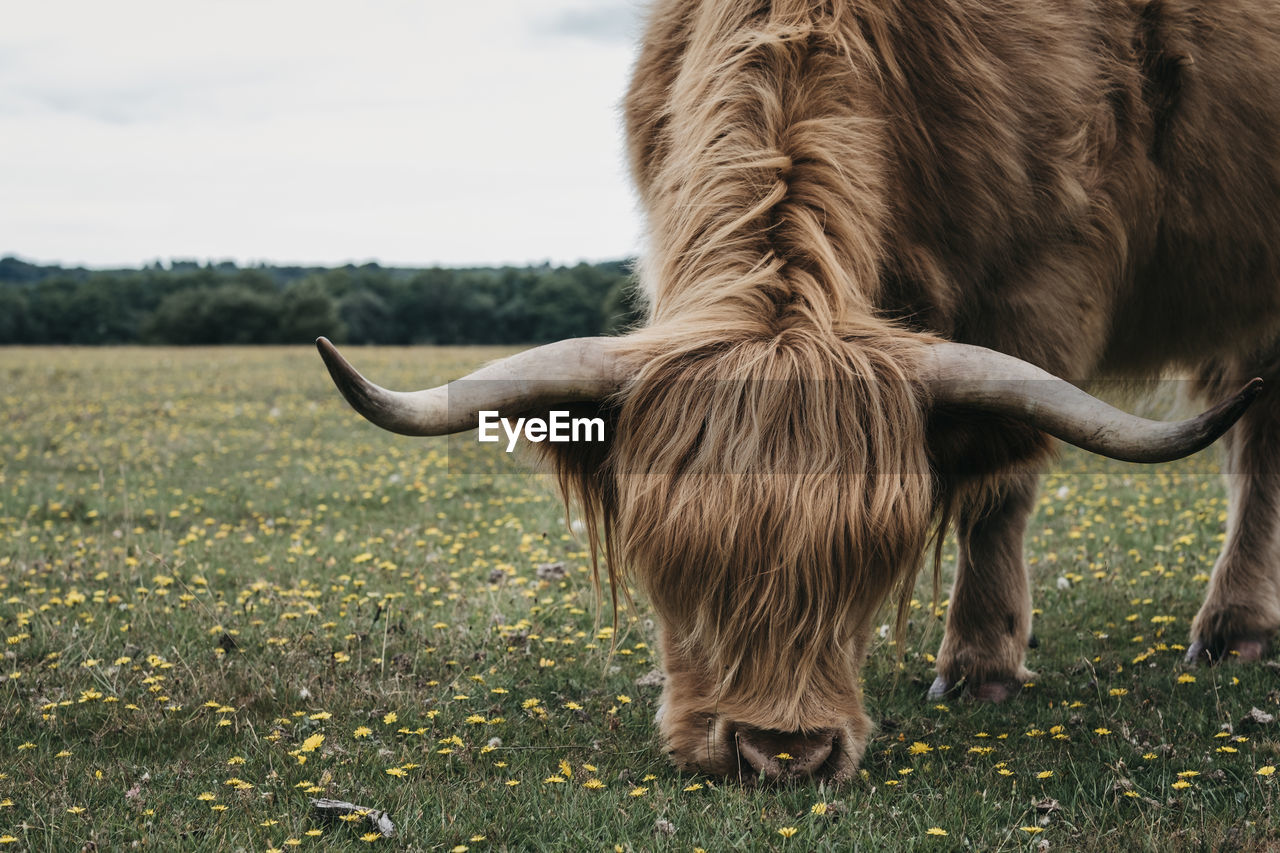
<point x="223" y="594"/>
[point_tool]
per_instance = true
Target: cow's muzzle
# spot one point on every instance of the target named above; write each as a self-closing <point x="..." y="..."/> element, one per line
<point x="776" y="755"/>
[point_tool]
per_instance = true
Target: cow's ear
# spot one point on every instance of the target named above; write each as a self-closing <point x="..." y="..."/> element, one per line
<point x="965" y="445"/>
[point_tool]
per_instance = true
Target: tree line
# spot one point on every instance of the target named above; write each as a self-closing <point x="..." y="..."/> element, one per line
<point x="189" y="303"/>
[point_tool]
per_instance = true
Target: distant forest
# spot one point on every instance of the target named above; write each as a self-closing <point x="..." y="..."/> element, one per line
<point x="221" y="303"/>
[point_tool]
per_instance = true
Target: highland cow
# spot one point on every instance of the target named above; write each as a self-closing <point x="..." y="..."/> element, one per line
<point x="879" y="232"/>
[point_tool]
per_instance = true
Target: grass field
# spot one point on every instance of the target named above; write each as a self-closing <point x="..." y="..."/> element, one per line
<point x="223" y="593"/>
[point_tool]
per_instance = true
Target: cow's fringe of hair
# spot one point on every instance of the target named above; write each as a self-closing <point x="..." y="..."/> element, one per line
<point x="768" y="492"/>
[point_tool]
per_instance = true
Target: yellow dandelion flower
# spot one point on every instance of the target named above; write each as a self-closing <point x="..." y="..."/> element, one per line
<point x="638" y="791"/>
<point x="1186" y="678"/>
<point x="394" y="771"/>
<point x="389" y="718"/>
<point x="622" y="699"/>
<point x="1044" y="774"/>
<point x="787" y="831"/>
<point x="818" y="809"/>
<point x="553" y="780"/>
<point x="1032" y="829"/>
<point x="370" y="837"/>
<point x="1269" y="770"/>
<point x="511" y="783"/>
<point x="1180" y="784"/>
<point x="593" y="784"/>
<point x="362" y="731"/>
<point x="695" y="786"/>
<point x="919" y="748"/>
<point x="935" y="830"/>
<point x="1102" y="731"/>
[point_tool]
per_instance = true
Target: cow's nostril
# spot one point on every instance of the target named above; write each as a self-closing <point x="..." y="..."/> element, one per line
<point x="781" y="755"/>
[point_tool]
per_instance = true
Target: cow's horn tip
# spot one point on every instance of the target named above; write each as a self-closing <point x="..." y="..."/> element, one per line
<point x="1245" y="398"/>
<point x="332" y="358"/>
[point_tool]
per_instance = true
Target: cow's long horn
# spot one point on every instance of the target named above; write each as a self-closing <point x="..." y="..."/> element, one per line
<point x="567" y="371"/>
<point x="986" y="380"/>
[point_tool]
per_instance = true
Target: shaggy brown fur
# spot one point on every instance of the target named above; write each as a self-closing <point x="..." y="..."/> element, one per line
<point x="1091" y="186"/>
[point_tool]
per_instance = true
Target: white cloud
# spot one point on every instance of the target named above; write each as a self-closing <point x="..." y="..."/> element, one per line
<point x="406" y="132"/>
<point x="612" y="22"/>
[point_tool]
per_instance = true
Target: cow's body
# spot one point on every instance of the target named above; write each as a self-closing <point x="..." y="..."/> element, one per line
<point x="1093" y="187"/>
<point x="833" y="188"/>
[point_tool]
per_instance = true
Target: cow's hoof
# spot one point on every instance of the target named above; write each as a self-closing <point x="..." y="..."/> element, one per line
<point x="1244" y="649"/>
<point x="994" y="692"/>
<point x="940" y="688"/>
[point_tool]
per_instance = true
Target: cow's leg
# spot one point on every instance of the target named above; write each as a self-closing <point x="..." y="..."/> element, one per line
<point x="989" y="618"/>
<point x="1242" y="608"/>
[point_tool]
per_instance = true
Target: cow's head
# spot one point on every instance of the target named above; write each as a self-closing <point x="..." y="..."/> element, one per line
<point x="768" y="494"/>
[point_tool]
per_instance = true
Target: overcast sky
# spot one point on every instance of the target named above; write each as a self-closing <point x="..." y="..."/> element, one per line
<point x="409" y="132"/>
